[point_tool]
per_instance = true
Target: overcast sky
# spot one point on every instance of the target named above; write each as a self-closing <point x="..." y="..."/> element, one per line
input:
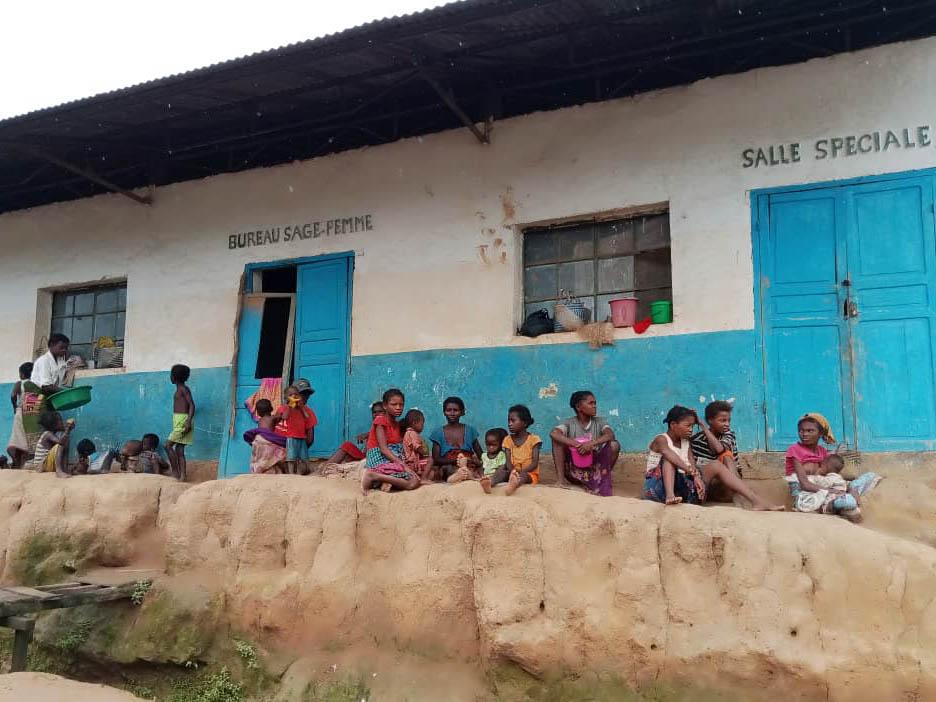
<point x="52" y="51"/>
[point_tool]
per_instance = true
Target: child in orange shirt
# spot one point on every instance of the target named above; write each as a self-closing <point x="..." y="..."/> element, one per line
<point x="523" y="451"/>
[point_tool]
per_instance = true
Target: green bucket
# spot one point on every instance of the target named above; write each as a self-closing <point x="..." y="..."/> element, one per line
<point x="661" y="311"/>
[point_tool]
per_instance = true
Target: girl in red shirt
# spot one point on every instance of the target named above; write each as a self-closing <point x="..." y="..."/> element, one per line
<point x="384" y="467"/>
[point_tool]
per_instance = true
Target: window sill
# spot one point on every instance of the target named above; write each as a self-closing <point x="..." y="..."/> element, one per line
<point x="620" y="334"/>
<point x="98" y="372"/>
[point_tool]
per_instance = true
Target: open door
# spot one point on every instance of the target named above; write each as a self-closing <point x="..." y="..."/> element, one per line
<point x="264" y="331"/>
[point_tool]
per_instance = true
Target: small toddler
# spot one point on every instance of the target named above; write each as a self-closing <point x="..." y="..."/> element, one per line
<point x="494" y="458"/>
<point x="416" y="455"/>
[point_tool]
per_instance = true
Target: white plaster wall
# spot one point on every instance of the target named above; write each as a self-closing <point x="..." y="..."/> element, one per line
<point x="419" y="281"/>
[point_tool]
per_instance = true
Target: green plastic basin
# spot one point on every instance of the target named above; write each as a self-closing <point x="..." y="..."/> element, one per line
<point x="71" y="398"/>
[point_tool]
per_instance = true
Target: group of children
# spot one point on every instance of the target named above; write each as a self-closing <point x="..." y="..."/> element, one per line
<point x="51" y="450"/>
<point x="683" y="466"/>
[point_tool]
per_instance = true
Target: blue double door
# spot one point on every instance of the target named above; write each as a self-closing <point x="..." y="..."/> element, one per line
<point x="847" y="284"/>
<point x="317" y="349"/>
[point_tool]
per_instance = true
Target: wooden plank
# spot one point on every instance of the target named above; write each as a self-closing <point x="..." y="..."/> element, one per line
<point x="76" y="589"/>
<point x="59" y="586"/>
<point x="10" y="596"/>
<point x="27" y="604"/>
<point x="30" y="591"/>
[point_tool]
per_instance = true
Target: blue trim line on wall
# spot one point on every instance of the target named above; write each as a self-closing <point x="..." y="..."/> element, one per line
<point x="635" y="381"/>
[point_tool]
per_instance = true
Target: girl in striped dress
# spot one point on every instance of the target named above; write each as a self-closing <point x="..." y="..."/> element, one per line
<point x="384" y="466"/>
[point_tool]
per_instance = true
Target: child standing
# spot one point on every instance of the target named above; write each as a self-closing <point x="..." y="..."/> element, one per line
<point x="671" y="475"/>
<point x="494" y="458"/>
<point x="523" y="451"/>
<point x="18" y="445"/>
<point x="183" y="415"/>
<point x="455" y="440"/>
<point x="300" y="423"/>
<point x="715" y="448"/>
<point x="52" y="449"/>
<point x="385" y="449"/>
<point x="416" y="455"/>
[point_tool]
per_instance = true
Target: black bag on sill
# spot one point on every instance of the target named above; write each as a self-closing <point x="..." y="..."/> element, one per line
<point x="537" y="323"/>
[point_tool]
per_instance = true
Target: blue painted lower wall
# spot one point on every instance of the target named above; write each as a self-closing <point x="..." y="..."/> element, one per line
<point x="640" y="378"/>
<point x="128" y="405"/>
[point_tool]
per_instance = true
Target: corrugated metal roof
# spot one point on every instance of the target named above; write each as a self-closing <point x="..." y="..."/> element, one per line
<point x="377" y="82"/>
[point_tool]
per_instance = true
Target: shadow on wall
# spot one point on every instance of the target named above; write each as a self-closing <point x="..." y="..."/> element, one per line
<point x="635" y="382"/>
<point x="128" y="405"/>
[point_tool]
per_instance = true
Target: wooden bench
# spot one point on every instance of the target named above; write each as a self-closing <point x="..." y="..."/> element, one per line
<point x="16" y="602"/>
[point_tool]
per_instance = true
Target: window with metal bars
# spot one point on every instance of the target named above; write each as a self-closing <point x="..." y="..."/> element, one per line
<point x="597" y="262"/>
<point x="86" y="315"/>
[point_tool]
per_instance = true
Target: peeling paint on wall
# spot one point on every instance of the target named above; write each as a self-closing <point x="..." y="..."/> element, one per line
<point x="550" y="390"/>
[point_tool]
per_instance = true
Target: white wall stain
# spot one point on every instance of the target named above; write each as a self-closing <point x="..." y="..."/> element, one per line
<point x="549" y="391"/>
<point x="614" y="413"/>
<point x="701" y="399"/>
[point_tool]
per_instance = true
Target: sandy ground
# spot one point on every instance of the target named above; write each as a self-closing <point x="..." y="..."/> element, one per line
<point x="44" y="687"/>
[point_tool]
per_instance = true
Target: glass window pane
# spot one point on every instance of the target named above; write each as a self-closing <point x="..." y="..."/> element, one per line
<point x="106" y="301"/>
<point x="648" y="296"/>
<point x="539" y="247"/>
<point x="577" y="278"/>
<point x="548" y="305"/>
<point x="62" y="326"/>
<point x="120" y="325"/>
<point x="82" y="330"/>
<point x="61" y="305"/>
<point x="653" y="269"/>
<point x="105" y="325"/>
<point x="576" y="243"/>
<point x="653" y="232"/>
<point x="84" y="303"/>
<point x="83" y="350"/>
<point x="122" y="298"/>
<point x="604" y="309"/>
<point x="616" y="274"/>
<point x="539" y="283"/>
<point x="616" y="238"/>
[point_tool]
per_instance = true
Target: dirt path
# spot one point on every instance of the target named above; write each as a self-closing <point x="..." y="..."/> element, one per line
<point x="43" y="687"/>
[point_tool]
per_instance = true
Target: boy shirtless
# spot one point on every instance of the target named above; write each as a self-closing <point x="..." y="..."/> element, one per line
<point x="183" y="427"/>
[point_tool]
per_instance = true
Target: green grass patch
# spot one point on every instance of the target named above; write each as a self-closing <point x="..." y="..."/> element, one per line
<point x="350" y="689"/>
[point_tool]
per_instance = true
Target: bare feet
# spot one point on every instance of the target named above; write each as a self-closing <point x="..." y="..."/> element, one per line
<point x="486" y="484"/>
<point x="512" y="483"/>
<point x="385" y="487"/>
<point x="673" y="500"/>
<point x="365" y="481"/>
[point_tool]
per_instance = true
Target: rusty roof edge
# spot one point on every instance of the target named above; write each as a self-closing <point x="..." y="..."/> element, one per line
<point x="445" y="9"/>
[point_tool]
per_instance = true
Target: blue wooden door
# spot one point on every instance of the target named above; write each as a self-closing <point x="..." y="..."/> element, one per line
<point x="847" y="288"/>
<point x="236" y="457"/>
<point x="892" y="270"/>
<point x="322" y="341"/>
<point x="807" y="358"/>
<point x="235" y="454"/>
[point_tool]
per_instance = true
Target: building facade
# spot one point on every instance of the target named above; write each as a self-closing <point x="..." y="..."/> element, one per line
<point x="786" y="212"/>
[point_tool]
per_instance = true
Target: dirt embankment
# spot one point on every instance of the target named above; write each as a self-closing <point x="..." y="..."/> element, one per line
<point x="552" y="582"/>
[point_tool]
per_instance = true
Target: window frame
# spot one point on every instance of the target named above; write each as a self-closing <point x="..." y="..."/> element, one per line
<point x="44" y="316"/>
<point x="620" y="214"/>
